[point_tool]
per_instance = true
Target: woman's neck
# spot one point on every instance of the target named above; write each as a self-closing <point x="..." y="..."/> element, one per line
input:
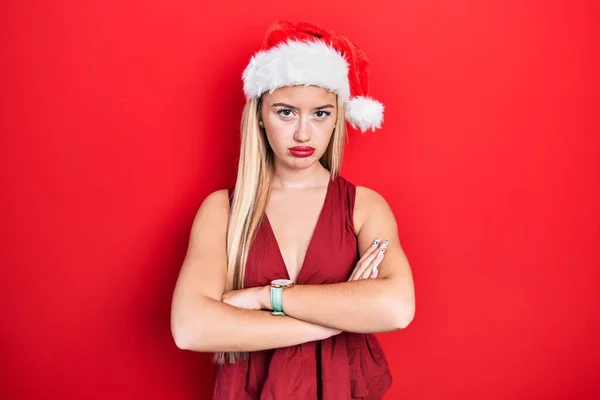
<point x="315" y="175"/>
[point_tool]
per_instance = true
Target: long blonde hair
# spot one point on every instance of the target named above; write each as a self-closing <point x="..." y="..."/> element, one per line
<point x="252" y="190"/>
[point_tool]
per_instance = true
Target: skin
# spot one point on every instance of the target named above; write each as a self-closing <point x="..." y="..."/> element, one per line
<point x="378" y="297"/>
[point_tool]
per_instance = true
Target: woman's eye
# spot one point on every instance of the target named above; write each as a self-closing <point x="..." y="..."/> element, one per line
<point x="322" y="114"/>
<point x="285" y="112"/>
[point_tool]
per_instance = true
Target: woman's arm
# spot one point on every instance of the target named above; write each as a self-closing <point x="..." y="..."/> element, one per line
<point x="221" y="327"/>
<point x="200" y="321"/>
<point x="367" y="305"/>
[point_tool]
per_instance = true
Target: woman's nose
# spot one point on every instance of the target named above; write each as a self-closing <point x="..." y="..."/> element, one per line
<point x="303" y="131"/>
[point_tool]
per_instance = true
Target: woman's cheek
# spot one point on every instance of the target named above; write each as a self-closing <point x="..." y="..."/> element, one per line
<point x="278" y="145"/>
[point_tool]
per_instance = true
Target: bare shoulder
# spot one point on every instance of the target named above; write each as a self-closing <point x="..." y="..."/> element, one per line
<point x="212" y="217"/>
<point x="369" y="204"/>
<point x="215" y="206"/>
<point x="217" y="200"/>
<point x="365" y="195"/>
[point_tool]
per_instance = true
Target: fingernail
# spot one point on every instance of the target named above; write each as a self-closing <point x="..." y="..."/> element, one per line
<point x="383" y="249"/>
<point x="376" y="242"/>
<point x="385" y="243"/>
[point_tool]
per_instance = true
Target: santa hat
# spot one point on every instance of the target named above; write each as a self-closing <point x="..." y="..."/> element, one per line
<point x="306" y="54"/>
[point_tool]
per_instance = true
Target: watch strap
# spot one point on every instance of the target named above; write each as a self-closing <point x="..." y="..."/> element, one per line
<point x="276" y="300"/>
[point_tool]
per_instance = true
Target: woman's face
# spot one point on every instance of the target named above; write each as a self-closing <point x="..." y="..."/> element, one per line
<point x="299" y="122"/>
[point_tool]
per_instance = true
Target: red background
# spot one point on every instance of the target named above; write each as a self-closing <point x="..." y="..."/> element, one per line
<point x="118" y="117"/>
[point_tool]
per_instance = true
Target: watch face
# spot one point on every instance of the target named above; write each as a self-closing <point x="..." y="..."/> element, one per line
<point x="282" y="283"/>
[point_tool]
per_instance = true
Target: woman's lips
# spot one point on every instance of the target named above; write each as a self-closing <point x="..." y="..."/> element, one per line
<point x="301" y="151"/>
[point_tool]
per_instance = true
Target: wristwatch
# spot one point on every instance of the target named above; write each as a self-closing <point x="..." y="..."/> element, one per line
<point x="277" y="287"/>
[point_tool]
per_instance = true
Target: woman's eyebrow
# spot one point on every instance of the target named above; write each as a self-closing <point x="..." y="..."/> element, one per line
<point x="325" y="106"/>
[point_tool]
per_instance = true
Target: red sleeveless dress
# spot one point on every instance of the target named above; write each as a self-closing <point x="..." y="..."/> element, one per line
<point x="343" y="367"/>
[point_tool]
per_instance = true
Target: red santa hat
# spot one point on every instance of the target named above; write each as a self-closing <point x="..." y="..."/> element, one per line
<point x="306" y="54"/>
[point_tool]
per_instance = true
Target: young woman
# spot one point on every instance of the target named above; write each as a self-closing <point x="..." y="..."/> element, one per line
<point x="289" y="274"/>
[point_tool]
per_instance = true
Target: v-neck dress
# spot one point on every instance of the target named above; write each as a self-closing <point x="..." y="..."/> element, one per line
<point x="343" y="367"/>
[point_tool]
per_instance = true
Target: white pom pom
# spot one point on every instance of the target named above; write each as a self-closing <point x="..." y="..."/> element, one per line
<point x="364" y="113"/>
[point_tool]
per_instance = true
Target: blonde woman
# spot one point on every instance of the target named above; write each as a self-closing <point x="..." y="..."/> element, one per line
<point x="289" y="274"/>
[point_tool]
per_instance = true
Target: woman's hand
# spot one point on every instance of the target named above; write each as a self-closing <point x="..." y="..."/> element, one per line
<point x="244" y="298"/>
<point x="368" y="265"/>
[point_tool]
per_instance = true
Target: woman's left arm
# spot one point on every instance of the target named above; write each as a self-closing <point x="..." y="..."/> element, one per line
<point x="366" y="305"/>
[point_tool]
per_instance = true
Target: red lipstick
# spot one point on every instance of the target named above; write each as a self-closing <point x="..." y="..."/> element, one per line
<point x="301" y="151"/>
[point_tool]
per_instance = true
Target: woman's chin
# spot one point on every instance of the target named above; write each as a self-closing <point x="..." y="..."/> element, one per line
<point x="302" y="162"/>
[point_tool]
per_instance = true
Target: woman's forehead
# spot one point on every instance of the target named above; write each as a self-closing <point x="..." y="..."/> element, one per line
<point x="301" y="96"/>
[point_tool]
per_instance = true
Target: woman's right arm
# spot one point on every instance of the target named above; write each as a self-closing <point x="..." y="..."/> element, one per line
<point x="200" y="321"/>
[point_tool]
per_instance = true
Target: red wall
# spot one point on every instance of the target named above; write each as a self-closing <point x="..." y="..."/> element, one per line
<point x="118" y="117"/>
